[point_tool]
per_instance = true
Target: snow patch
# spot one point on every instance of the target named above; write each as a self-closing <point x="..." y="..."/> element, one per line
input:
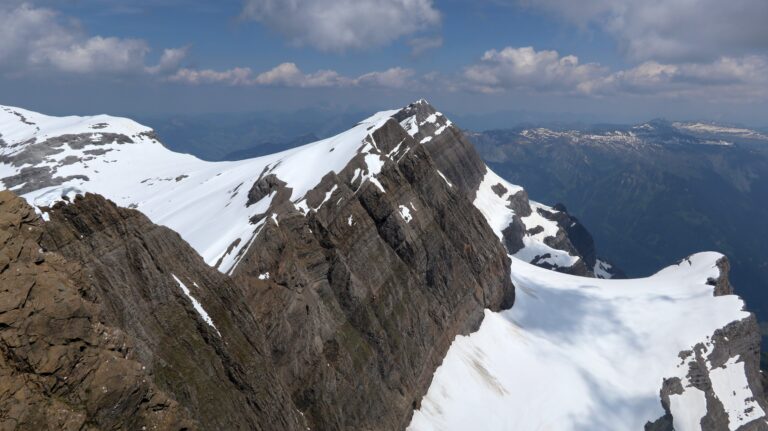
<point x="196" y="305"/>
<point x="603" y="269"/>
<point x="731" y="387"/>
<point x="444" y="178"/>
<point x="405" y="213"/>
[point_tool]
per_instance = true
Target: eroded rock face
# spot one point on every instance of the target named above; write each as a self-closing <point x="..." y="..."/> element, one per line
<point x="366" y="292"/>
<point x="97" y="332"/>
<point x="456" y="157"/>
<point x="35" y="154"/>
<point x="61" y="366"/>
<point x="451" y="151"/>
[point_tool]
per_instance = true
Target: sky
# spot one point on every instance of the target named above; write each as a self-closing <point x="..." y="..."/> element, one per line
<point x="588" y="60"/>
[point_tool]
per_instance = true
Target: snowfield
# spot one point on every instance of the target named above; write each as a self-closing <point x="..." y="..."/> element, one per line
<point x="587" y="354"/>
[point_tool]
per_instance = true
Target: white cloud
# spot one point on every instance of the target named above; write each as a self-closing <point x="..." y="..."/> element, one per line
<point x="38" y="38"/>
<point x="672" y="30"/>
<point x="236" y="76"/>
<point x="527" y="68"/>
<point x="97" y="54"/>
<point x="169" y="61"/>
<point x="742" y="78"/>
<point x="396" y="77"/>
<point x="289" y="75"/>
<point x="337" y="25"/>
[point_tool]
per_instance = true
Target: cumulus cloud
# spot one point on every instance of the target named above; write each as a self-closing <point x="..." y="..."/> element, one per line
<point x="337" y="25"/>
<point x="289" y="75"/>
<point x="396" y="77"/>
<point x="236" y="76"/>
<point x="671" y="30"/>
<point x="527" y="68"/>
<point x="728" y="78"/>
<point x="97" y="54"/>
<point x="742" y="78"/>
<point x="34" y="37"/>
<point x="169" y="61"/>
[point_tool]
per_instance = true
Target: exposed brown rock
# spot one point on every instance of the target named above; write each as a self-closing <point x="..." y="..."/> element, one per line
<point x="96" y="333"/>
<point x="362" y="305"/>
<point x="61" y="366"/>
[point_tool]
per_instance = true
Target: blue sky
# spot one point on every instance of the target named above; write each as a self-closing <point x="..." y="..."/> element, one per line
<point x="596" y="60"/>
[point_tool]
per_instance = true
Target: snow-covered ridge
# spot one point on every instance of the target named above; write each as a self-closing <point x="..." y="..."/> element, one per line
<point x="44" y="158"/>
<point x="18" y="126"/>
<point x="716" y="129"/>
<point x="205" y="202"/>
<point x="586" y="354"/>
<point x="500" y="202"/>
<point x="575" y="137"/>
<point x="646" y="134"/>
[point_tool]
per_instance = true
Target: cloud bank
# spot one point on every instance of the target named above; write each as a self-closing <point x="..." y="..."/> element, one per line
<point x="38" y="38"/>
<point x="338" y="25"/>
<point x="289" y="75"/>
<point x="742" y="78"/>
<point x="671" y="30"/>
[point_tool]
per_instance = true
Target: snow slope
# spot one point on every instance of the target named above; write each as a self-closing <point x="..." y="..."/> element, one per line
<point x="205" y="202"/>
<point x="716" y="129"/>
<point x="587" y="354"/>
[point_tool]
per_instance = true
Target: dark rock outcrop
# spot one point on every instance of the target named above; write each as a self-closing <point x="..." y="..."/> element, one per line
<point x="453" y="154"/>
<point x="456" y="157"/>
<point x="365" y="295"/>
<point x="96" y="331"/>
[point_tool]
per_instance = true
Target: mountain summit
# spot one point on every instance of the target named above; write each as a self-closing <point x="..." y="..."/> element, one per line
<point x="384" y="278"/>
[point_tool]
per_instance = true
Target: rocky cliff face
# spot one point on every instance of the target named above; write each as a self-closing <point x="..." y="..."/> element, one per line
<point x="98" y="333"/>
<point x="456" y="157"/>
<point x="367" y="287"/>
